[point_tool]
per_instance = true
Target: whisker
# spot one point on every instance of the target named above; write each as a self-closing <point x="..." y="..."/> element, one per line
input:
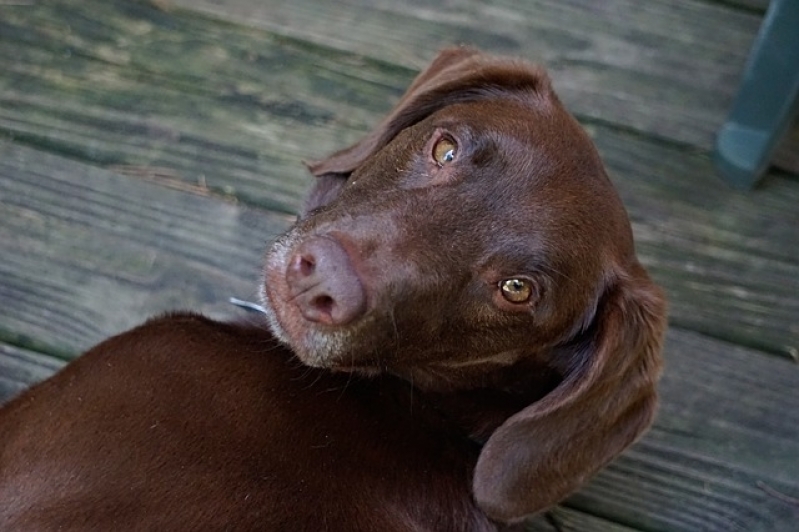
<point x="346" y="385"/>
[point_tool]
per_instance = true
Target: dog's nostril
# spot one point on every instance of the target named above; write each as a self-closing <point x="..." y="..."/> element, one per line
<point x="324" y="304"/>
<point x="302" y="265"/>
<point x="306" y="265"/>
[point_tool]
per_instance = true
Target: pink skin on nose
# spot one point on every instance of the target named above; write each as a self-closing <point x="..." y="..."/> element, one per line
<point x="323" y="284"/>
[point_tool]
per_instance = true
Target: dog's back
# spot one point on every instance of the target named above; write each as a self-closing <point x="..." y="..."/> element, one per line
<point x="189" y="424"/>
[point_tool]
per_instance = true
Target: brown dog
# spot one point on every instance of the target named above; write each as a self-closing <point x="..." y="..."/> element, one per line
<point x="466" y="337"/>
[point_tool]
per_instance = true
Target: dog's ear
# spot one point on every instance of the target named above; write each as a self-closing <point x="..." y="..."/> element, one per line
<point x="605" y="402"/>
<point x="457" y="74"/>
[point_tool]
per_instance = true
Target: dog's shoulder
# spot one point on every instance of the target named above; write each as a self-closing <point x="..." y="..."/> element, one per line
<point x="185" y="336"/>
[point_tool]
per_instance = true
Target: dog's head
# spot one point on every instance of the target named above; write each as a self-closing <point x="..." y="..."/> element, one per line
<point x="475" y="230"/>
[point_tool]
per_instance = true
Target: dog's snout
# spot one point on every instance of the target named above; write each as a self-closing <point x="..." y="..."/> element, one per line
<point x="323" y="283"/>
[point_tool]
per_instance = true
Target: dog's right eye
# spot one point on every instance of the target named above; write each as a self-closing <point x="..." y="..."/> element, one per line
<point x="444" y="151"/>
<point x="516" y="290"/>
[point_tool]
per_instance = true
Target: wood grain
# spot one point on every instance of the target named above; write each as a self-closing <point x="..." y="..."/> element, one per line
<point x="20" y="368"/>
<point x="758" y="6"/>
<point x="565" y="519"/>
<point x="88" y="253"/>
<point x="122" y="84"/>
<point x="728" y="426"/>
<point x="727" y="260"/>
<point x="655" y="66"/>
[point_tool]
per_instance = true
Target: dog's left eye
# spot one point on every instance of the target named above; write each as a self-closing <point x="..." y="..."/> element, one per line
<point x="516" y="290"/>
<point x="444" y="150"/>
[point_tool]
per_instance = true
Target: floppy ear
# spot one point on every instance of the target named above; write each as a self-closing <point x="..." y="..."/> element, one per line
<point x="605" y="402"/>
<point x="457" y="74"/>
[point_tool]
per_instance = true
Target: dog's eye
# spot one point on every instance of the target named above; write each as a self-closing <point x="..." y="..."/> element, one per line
<point x="444" y="150"/>
<point x="516" y="290"/>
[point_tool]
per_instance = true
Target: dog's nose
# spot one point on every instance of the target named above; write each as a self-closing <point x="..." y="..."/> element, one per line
<point x="323" y="284"/>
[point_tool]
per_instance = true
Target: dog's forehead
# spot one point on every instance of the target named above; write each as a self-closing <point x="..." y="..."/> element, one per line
<point x="531" y="147"/>
<point x="532" y="129"/>
<point x="511" y="113"/>
<point x="547" y="183"/>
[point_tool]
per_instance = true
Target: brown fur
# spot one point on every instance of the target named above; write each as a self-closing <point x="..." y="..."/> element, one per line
<point x="430" y="402"/>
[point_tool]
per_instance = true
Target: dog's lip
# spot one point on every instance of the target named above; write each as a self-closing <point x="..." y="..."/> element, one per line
<point x="344" y="364"/>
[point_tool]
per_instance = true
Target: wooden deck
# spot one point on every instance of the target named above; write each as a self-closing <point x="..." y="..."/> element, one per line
<point x="149" y="152"/>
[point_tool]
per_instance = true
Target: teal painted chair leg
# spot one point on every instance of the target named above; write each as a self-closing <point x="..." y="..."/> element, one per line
<point x="767" y="100"/>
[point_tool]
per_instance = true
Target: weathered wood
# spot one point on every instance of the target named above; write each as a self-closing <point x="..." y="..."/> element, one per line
<point x="564" y="519"/>
<point x="123" y="84"/>
<point x="20" y="368"/>
<point x="728" y="260"/>
<point x="677" y="80"/>
<point x="656" y="66"/>
<point x="235" y="110"/>
<point x="724" y="446"/>
<point x="88" y="253"/>
<point x="758" y="6"/>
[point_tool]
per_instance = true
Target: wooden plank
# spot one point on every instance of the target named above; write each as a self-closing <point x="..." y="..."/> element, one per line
<point x="88" y="253"/>
<point x="758" y="6"/>
<point x="565" y="519"/>
<point x="723" y="453"/>
<point x="186" y="100"/>
<point x="728" y="260"/>
<point x="661" y="67"/>
<point x="621" y="62"/>
<point x="20" y="368"/>
<point x="123" y="84"/>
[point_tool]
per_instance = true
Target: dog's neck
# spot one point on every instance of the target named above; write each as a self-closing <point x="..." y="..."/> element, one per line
<point x="478" y="411"/>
